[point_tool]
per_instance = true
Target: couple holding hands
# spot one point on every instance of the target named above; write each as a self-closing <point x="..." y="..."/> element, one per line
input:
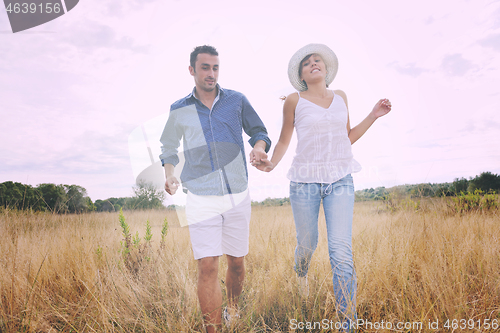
<point x="209" y="122"/>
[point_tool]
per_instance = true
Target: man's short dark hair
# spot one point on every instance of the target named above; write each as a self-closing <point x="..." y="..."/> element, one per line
<point x="201" y="49"/>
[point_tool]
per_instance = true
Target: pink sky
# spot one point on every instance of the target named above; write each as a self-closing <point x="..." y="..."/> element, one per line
<point x="73" y="90"/>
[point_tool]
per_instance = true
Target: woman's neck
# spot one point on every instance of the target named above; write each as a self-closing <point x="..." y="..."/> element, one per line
<point x="317" y="89"/>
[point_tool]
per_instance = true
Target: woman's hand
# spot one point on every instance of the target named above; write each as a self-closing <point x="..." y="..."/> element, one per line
<point x="264" y="165"/>
<point x="382" y="108"/>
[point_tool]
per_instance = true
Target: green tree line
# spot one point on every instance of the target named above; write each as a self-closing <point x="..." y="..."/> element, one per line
<point x="486" y="182"/>
<point x="74" y="199"/>
<point x="272" y="202"/>
<point x="146" y="196"/>
<point x="45" y="197"/>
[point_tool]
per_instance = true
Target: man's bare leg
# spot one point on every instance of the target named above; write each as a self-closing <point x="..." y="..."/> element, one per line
<point x="234" y="279"/>
<point x="209" y="293"/>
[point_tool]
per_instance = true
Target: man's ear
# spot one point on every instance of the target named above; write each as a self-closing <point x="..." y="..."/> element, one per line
<point x="191" y="70"/>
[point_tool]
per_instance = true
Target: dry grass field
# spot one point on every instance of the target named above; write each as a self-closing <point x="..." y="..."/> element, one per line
<point x="66" y="273"/>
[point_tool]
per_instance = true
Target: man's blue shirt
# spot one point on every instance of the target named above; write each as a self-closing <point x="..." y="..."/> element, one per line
<point x="213" y="150"/>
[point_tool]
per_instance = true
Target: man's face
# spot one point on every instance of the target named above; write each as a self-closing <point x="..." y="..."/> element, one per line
<point x="206" y="71"/>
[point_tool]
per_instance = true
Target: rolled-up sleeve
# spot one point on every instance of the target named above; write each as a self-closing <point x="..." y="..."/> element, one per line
<point x="253" y="125"/>
<point x="170" y="141"/>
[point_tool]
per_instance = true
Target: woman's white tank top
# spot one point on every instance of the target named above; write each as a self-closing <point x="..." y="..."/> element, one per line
<point x="323" y="153"/>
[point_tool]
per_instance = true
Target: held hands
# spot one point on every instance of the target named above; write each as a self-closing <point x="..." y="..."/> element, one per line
<point x="257" y="155"/>
<point x="171" y="185"/>
<point x="265" y="165"/>
<point x="258" y="158"/>
<point x="382" y="108"/>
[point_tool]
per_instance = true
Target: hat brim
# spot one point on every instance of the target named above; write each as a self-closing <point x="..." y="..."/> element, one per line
<point x="328" y="56"/>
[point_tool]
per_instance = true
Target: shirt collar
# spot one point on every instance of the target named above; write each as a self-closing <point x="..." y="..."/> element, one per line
<point x="220" y="92"/>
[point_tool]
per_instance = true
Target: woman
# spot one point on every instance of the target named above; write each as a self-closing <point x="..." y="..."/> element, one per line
<point x="321" y="169"/>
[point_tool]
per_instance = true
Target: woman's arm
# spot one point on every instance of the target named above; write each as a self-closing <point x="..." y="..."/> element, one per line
<point x="380" y="109"/>
<point x="285" y="136"/>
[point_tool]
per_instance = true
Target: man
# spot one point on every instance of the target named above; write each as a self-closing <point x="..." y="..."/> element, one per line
<point x="210" y="121"/>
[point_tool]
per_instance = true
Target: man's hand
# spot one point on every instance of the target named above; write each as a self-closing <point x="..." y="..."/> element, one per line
<point x="258" y="153"/>
<point x="171" y="185"/>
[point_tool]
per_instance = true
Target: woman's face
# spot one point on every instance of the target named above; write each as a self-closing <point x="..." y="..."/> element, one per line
<point x="312" y="69"/>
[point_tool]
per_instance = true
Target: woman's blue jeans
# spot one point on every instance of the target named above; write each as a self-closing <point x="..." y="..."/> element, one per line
<point x="338" y="204"/>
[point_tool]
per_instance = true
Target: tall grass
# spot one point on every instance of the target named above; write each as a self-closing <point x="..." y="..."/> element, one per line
<point x="68" y="273"/>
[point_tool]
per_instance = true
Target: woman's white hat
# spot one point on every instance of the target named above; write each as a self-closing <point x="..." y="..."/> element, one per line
<point x="329" y="58"/>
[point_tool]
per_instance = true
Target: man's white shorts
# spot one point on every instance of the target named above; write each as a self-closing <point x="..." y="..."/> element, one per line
<point x="219" y="224"/>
